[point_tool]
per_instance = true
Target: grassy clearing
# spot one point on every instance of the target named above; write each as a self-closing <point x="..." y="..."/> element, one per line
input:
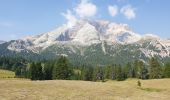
<point x="83" y="90"/>
<point x="6" y="74"/>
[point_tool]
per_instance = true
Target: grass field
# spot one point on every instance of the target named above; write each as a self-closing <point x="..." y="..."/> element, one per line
<point x="82" y="90"/>
<point x="6" y="74"/>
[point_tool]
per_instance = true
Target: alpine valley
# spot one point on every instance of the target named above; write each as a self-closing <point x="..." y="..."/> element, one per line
<point x="94" y="42"/>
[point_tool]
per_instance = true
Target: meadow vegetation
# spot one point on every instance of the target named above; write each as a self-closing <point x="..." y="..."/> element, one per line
<point x="6" y="74"/>
<point x="133" y="81"/>
<point x="156" y="89"/>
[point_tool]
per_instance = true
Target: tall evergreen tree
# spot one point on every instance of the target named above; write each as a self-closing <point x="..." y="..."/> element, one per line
<point x="36" y="72"/>
<point x="120" y="76"/>
<point x="136" y="67"/>
<point x="61" y="69"/>
<point x="155" y="69"/>
<point x="98" y="74"/>
<point x="88" y="74"/>
<point x="108" y="72"/>
<point x="167" y="70"/>
<point x="48" y="71"/>
<point x="32" y="71"/>
<point x="143" y="71"/>
<point x="39" y="74"/>
<point x="128" y="70"/>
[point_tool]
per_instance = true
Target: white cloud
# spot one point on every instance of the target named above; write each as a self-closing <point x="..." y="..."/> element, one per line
<point x="113" y="10"/>
<point x="85" y="9"/>
<point x="71" y="19"/>
<point x="128" y="11"/>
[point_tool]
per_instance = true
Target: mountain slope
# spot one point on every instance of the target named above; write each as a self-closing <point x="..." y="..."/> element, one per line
<point x="95" y="42"/>
<point x="83" y="33"/>
<point x="2" y="41"/>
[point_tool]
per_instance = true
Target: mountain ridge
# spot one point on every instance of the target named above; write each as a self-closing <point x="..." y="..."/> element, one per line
<point x="1" y="42"/>
<point x="85" y="33"/>
<point x="98" y="38"/>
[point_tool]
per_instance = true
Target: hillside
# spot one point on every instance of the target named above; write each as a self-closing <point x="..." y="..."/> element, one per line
<point x="91" y="41"/>
<point x="84" y="90"/>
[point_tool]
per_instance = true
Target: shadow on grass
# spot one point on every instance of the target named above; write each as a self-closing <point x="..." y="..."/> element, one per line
<point x="151" y="89"/>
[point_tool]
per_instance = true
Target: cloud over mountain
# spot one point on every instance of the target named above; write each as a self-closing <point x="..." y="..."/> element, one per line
<point x="86" y="9"/>
<point x="128" y="11"/>
<point x="113" y="10"/>
<point x="71" y="19"/>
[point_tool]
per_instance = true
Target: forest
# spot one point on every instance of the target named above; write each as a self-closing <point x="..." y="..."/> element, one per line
<point x="62" y="69"/>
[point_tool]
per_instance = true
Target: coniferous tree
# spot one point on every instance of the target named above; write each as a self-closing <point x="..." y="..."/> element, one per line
<point x="144" y="73"/>
<point x="36" y="71"/>
<point x="88" y="74"/>
<point x="28" y="71"/>
<point x="18" y="72"/>
<point x="98" y="74"/>
<point x="108" y="72"/>
<point x="155" y="69"/>
<point x="48" y="71"/>
<point x="114" y="72"/>
<point x="32" y="70"/>
<point x="136" y="68"/>
<point x="39" y="74"/>
<point x="61" y="69"/>
<point x="120" y="74"/>
<point x="141" y="70"/>
<point x="167" y="70"/>
<point x="128" y="70"/>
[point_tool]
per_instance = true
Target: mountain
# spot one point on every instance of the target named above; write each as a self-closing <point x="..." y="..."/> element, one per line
<point x="83" y="33"/>
<point x="2" y="41"/>
<point x="94" y="42"/>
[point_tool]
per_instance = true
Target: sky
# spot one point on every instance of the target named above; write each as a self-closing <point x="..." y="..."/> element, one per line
<point x="21" y="18"/>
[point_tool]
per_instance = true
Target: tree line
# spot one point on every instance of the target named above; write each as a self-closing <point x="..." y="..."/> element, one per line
<point x="64" y="70"/>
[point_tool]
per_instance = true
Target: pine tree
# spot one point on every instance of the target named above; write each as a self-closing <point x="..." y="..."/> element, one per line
<point x="142" y="71"/>
<point x="108" y="72"/>
<point x="128" y="70"/>
<point x="144" y="74"/>
<point x="155" y="69"/>
<point x="88" y="74"/>
<point x="39" y="73"/>
<point x="48" y="71"/>
<point x="136" y="69"/>
<point x="98" y="74"/>
<point x="167" y="70"/>
<point x="114" y="72"/>
<point x="32" y="71"/>
<point x="36" y="72"/>
<point x="61" y="69"/>
<point x="120" y="74"/>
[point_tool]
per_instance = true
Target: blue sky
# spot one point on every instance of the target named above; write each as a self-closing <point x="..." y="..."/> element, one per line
<point x="20" y="18"/>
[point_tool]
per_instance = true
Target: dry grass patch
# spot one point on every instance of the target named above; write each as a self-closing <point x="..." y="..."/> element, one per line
<point x="83" y="90"/>
<point x="152" y="89"/>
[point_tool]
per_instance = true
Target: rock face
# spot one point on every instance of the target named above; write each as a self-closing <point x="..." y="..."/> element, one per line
<point x="100" y="40"/>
